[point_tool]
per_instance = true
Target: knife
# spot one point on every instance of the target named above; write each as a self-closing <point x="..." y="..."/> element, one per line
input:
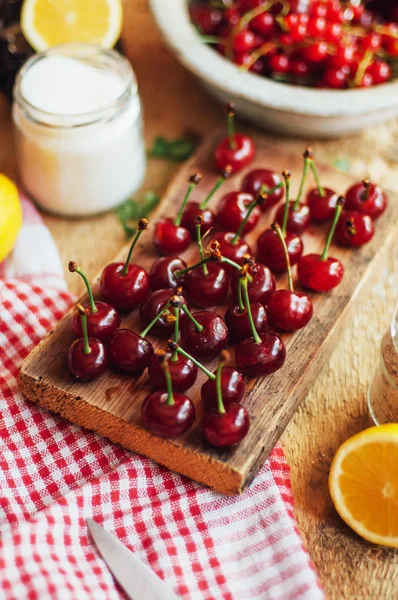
<point x="135" y="577"/>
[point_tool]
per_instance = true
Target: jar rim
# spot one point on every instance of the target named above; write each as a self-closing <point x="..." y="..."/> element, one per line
<point x="79" y="51"/>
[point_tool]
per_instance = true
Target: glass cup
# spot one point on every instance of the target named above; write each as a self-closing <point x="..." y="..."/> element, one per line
<point x="383" y="389"/>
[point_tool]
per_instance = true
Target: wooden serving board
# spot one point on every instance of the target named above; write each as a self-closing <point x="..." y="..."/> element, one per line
<point x="111" y="406"/>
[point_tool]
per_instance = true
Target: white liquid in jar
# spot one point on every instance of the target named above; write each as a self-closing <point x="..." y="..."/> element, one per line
<point x="79" y="133"/>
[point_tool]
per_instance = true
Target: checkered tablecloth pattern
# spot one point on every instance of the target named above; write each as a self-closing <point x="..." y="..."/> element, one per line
<point x="53" y="475"/>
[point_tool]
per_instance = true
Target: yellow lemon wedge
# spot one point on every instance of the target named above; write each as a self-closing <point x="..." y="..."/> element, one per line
<point x="48" y="23"/>
<point x="363" y="483"/>
<point x="10" y="215"/>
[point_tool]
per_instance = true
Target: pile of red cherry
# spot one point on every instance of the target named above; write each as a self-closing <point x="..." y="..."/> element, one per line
<point x="258" y="311"/>
<point x="320" y="43"/>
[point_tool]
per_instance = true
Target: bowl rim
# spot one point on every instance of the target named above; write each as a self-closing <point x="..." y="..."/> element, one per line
<point x="182" y="37"/>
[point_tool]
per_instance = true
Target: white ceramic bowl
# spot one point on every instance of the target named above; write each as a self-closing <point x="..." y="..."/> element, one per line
<point x="280" y="107"/>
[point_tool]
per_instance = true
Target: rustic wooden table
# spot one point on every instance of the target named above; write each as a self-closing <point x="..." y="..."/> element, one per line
<point x="349" y="568"/>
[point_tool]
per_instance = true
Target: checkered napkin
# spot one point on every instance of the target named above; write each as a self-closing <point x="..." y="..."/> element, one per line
<point x="53" y="475"/>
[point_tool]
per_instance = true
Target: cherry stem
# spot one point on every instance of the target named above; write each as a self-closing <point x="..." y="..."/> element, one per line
<point x="179" y="274"/>
<point x="339" y="208"/>
<point x="240" y="300"/>
<point x="169" y="384"/>
<point x="321" y="191"/>
<point x="231" y="130"/>
<point x="135" y="240"/>
<point x="174" y="356"/>
<point x="264" y="190"/>
<point x="218" y="184"/>
<point x="366" y="192"/>
<point x="198" y="227"/>
<point x="256" y="337"/>
<point x="183" y="352"/>
<point x="287" y="201"/>
<point x="281" y="237"/>
<point x="93" y="308"/>
<point x="302" y="182"/>
<point x="193" y="181"/>
<point x="190" y="316"/>
<point x="220" y="403"/>
<point x="243" y="223"/>
<point x="83" y="317"/>
<point x="155" y="320"/>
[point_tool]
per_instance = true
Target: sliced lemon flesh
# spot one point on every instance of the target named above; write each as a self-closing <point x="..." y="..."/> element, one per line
<point x="48" y="23"/>
<point x="363" y="483"/>
<point x="10" y="216"/>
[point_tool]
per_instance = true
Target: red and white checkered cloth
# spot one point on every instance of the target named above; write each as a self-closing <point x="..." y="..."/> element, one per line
<point x="53" y="475"/>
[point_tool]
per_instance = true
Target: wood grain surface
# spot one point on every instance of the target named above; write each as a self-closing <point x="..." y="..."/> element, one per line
<point x="349" y="568"/>
<point x="112" y="404"/>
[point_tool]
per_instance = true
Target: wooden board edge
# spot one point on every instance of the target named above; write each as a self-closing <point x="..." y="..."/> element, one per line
<point x="201" y="468"/>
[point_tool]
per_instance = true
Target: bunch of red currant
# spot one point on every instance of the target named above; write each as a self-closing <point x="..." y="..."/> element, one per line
<point x="258" y="311"/>
<point x="320" y="43"/>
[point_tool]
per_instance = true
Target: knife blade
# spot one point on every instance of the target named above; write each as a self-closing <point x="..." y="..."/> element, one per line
<point x="135" y="577"/>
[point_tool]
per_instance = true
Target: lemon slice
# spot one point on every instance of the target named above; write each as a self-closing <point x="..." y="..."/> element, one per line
<point x="48" y="23"/>
<point x="363" y="483"/>
<point x="10" y="216"/>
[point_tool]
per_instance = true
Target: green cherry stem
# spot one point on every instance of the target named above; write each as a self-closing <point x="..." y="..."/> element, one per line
<point x="176" y="309"/>
<point x="192" y="183"/>
<point x="264" y="190"/>
<point x="142" y="226"/>
<point x="176" y="348"/>
<point x="240" y="299"/>
<point x="220" y="403"/>
<point x="256" y="337"/>
<point x="225" y="174"/>
<point x="307" y="161"/>
<point x="179" y="274"/>
<point x="281" y="237"/>
<point x="83" y="317"/>
<point x="169" y="384"/>
<point x="155" y="320"/>
<point x="339" y="208"/>
<point x="190" y="316"/>
<point x="241" y="227"/>
<point x="308" y="157"/>
<point x="73" y="268"/>
<point x="198" y="226"/>
<point x="231" y="125"/>
<point x="286" y="178"/>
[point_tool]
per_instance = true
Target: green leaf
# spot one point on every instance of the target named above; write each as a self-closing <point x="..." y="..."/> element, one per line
<point x="131" y="211"/>
<point x="177" y="150"/>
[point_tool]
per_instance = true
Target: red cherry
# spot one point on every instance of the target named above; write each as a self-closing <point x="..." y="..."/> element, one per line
<point x="87" y="357"/>
<point x="315" y="52"/>
<point x="238" y="323"/>
<point x="279" y="63"/>
<point x="246" y="60"/>
<point x="343" y="58"/>
<point x="206" y="290"/>
<point x="154" y="305"/>
<point x="299" y="68"/>
<point x="102" y="319"/>
<point x="367" y="198"/>
<point x="298" y="218"/>
<point x="228" y="428"/>
<point x="130" y="352"/>
<point x="264" y="24"/>
<point x="271" y="181"/>
<point x="322" y="207"/>
<point x="380" y="71"/>
<point x="371" y="41"/>
<point x="232" y="210"/>
<point x="318" y="274"/>
<point x="261" y="286"/>
<point x="354" y="229"/>
<point x="165" y="420"/>
<point x="183" y="373"/>
<point x="246" y="41"/>
<point x="335" y="78"/>
<point x="237" y="150"/>
<point x="230" y="250"/>
<point x="206" y="18"/>
<point x="163" y="272"/>
<point x="87" y="367"/>
<point x="270" y="250"/>
<point x="101" y="325"/>
<point x="286" y="309"/>
<point x="257" y="359"/>
<point x="125" y="285"/>
<point x="170" y="237"/>
<point x="232" y="388"/>
<point x="203" y="334"/>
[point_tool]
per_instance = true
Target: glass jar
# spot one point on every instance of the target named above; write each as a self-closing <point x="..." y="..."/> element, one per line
<point x="78" y="124"/>
<point x="383" y="390"/>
